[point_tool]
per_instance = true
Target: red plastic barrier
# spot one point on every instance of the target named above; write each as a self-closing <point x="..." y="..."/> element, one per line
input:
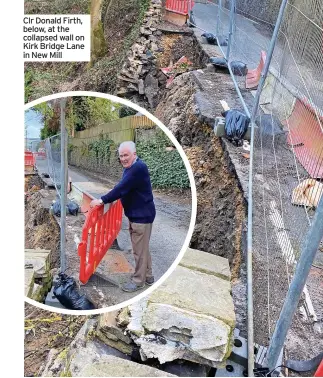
<point x="99" y="231"/>
<point x="319" y="371"/>
<point x="179" y="6"/>
<point x="253" y="76"/>
<point x="29" y="159"/>
<point x="41" y="154"/>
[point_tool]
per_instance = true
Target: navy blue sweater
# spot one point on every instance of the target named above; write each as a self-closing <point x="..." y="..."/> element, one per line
<point x="136" y="194"/>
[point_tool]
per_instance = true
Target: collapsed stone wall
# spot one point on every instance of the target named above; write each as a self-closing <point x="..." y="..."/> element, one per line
<point x="135" y="76"/>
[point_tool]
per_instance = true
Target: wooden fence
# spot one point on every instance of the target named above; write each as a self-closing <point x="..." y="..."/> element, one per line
<point x="119" y="131"/>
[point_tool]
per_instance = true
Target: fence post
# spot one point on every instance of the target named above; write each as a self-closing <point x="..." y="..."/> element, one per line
<point x="232" y="14"/>
<point x="264" y="73"/>
<point x="269" y="55"/>
<point x="309" y="249"/>
<point x="63" y="186"/>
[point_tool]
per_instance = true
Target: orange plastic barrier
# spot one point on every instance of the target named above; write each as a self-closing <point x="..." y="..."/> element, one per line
<point x="319" y="371"/>
<point x="99" y="231"/>
<point x="178" y="6"/>
<point x="41" y="154"/>
<point x="29" y="159"/>
<point x="253" y="76"/>
<point x="305" y="134"/>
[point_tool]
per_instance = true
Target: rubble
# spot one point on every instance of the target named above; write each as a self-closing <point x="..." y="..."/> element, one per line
<point x="177" y="321"/>
<point x="141" y="58"/>
<point x="176" y="324"/>
<point x="111" y="334"/>
<point x="89" y="357"/>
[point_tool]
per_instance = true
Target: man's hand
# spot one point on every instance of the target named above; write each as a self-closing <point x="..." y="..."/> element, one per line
<point x="95" y="202"/>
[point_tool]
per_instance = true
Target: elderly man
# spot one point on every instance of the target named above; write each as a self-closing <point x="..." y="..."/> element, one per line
<point x="136" y="195"/>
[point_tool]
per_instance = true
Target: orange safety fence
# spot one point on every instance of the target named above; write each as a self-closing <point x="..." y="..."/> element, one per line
<point x="253" y="76"/>
<point x="99" y="232"/>
<point x="179" y="6"/>
<point x="306" y="136"/>
<point x="29" y="159"/>
<point x="319" y="371"/>
<point x="41" y="154"/>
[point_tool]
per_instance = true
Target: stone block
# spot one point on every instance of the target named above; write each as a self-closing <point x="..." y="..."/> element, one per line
<point x="114" y="342"/>
<point x="108" y="325"/>
<point x="206" y="263"/>
<point x="111" y="366"/>
<point x="29" y="282"/>
<point x="204" y="336"/>
<point x="198" y="292"/>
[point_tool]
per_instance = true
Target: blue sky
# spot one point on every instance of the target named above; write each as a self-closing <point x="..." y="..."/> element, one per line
<point x="33" y="123"/>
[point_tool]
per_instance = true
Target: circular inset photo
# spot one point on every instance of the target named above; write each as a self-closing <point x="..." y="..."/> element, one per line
<point x="110" y="202"/>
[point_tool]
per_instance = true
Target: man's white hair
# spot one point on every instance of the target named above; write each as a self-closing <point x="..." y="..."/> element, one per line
<point x="128" y="144"/>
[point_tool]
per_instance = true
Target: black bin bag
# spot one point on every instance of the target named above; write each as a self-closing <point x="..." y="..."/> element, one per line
<point x="72" y="207"/>
<point x="238" y="68"/>
<point x="65" y="290"/>
<point x="57" y="208"/>
<point x="236" y="125"/>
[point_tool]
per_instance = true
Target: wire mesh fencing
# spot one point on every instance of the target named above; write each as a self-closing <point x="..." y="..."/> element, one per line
<point x="53" y="160"/>
<point x="288" y="144"/>
<point x="288" y="167"/>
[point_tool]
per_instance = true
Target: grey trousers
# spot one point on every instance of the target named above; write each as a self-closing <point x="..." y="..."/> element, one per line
<point x="140" y="236"/>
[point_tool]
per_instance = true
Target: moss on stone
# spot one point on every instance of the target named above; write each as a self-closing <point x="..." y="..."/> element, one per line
<point x="99" y="46"/>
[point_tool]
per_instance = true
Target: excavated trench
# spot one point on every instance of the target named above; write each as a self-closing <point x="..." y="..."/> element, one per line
<point x="221" y="208"/>
<point x="41" y="228"/>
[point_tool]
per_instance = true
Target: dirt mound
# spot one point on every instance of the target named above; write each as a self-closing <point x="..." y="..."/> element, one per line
<point x="41" y="228"/>
<point x="220" y="209"/>
<point x="33" y="183"/>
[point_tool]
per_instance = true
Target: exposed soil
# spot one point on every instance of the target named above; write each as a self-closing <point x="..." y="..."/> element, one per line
<point x="174" y="47"/>
<point x="45" y="331"/>
<point x="33" y="183"/>
<point x="220" y="208"/>
<point x="41" y="229"/>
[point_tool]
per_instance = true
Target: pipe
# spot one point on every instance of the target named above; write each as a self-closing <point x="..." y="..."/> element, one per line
<point x="309" y="249"/>
<point x="63" y="186"/>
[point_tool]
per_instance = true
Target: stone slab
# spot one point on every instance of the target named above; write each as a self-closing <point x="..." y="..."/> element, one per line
<point x="204" y="336"/>
<point x="108" y="325"/>
<point x="114" y="342"/>
<point x="198" y="292"/>
<point x="29" y="282"/>
<point x="37" y="292"/>
<point x="111" y="366"/>
<point x="39" y="262"/>
<point x="206" y="263"/>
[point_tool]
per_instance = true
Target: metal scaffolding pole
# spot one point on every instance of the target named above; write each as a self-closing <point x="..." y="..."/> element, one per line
<point x="232" y="15"/>
<point x="63" y="185"/>
<point x="264" y="73"/>
<point x="218" y="18"/>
